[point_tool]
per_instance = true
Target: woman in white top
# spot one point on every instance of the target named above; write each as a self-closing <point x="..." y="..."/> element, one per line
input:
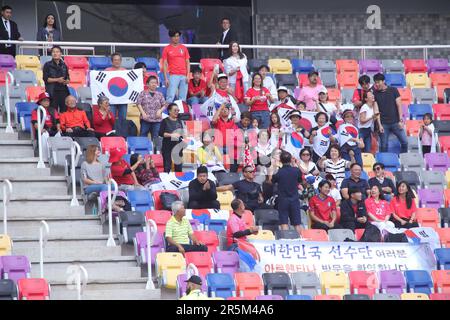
<point x="264" y="149"/>
<point x="336" y="165"/>
<point x="268" y="81"/>
<point x="324" y="106"/>
<point x="367" y="114"/>
<point x="305" y="164"/>
<point x="237" y="61"/>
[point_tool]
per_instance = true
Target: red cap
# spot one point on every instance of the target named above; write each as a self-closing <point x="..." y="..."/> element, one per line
<point x="115" y="154"/>
<point x="42" y="96"/>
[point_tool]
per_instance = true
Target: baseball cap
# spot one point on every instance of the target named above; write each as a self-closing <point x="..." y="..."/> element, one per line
<point x="323" y="90"/>
<point x="295" y="113"/>
<point x="282" y="88"/>
<point x="42" y="96"/>
<point x="312" y="73"/>
<point x="195" y="279"/>
<point x="115" y="154"/>
<point x="222" y="75"/>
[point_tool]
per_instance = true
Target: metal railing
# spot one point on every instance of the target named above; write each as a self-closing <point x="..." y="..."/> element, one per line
<point x="41" y="124"/>
<point x="75" y="154"/>
<point x="9" y="128"/>
<point x="151" y="232"/>
<point x="7" y="192"/>
<point x="50" y="45"/>
<point x="111" y="198"/>
<point x="44" y="231"/>
<point x="81" y="281"/>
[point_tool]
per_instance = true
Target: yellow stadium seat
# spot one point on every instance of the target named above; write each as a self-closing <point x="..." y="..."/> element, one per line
<point x="28" y="62"/>
<point x="262" y="235"/>
<point x="368" y="161"/>
<point x="334" y="283"/>
<point x="280" y="66"/>
<point x="225" y="199"/>
<point x="134" y="115"/>
<point x="168" y="266"/>
<point x="447" y="177"/>
<point x="40" y="77"/>
<point x="5" y="245"/>
<point x="418" y="80"/>
<point x="414" y="296"/>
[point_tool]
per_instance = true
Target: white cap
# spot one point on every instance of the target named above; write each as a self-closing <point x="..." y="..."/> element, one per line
<point x="282" y="88"/>
<point x="324" y="90"/>
<point x="222" y="75"/>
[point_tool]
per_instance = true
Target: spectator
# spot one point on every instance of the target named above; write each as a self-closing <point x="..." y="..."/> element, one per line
<point x="122" y="172"/>
<point x="288" y="179"/>
<point x="310" y="93"/>
<point x="336" y="165"/>
<point x="355" y="182"/>
<point x="359" y="95"/>
<point x="236" y="227"/>
<point x="246" y="122"/>
<point x="264" y="149"/>
<point x="367" y="116"/>
<point x="118" y="110"/>
<point x="151" y="105"/>
<point x="145" y="74"/>
<point x="176" y="67"/>
<point x="236" y="69"/>
<point x="349" y="142"/>
<point x="202" y="191"/>
<point x="403" y="207"/>
<point x="390" y="106"/>
<point x="426" y="134"/>
<point x="353" y="210"/>
<point x="380" y="180"/>
<point x="102" y="118"/>
<point x="255" y="125"/>
<point x="225" y="124"/>
<point x="284" y="97"/>
<point x="296" y="125"/>
<point x="226" y="37"/>
<point x="334" y="191"/>
<point x="258" y="98"/>
<point x="74" y="122"/>
<point x="49" y="31"/>
<point x="144" y="169"/>
<point x="324" y="106"/>
<point x="179" y="232"/>
<point x="194" y="289"/>
<point x="56" y="78"/>
<point x="322" y="208"/>
<point x="247" y="190"/>
<point x="222" y="89"/>
<point x="8" y="31"/>
<point x="305" y="164"/>
<point x="275" y="130"/>
<point x="197" y="90"/>
<point x="321" y="136"/>
<point x="268" y="81"/>
<point x="378" y="209"/>
<point x="93" y="172"/>
<point x="209" y="154"/>
<point x="171" y="131"/>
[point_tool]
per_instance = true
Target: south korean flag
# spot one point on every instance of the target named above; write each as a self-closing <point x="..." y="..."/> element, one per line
<point x="120" y="87"/>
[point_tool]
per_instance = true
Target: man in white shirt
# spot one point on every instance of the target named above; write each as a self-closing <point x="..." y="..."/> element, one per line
<point x="8" y="31"/>
<point x="226" y="37"/>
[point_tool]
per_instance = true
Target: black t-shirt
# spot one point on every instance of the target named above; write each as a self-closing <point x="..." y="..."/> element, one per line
<point x="386" y="183"/>
<point x="387" y="105"/>
<point x="248" y="192"/>
<point x="169" y="126"/>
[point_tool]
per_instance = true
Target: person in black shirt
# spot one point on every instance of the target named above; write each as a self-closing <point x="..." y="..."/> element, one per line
<point x="386" y="184"/>
<point x="353" y="211"/>
<point x="202" y="191"/>
<point x="390" y="106"/>
<point x="56" y="78"/>
<point x="355" y="181"/>
<point x="8" y="31"/>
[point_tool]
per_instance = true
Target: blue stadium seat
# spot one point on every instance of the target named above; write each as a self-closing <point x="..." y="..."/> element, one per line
<point x="163" y="90"/>
<point x="364" y="175"/>
<point x="416" y="111"/>
<point x="140" y="200"/>
<point x="418" y="281"/>
<point x="99" y="63"/>
<point x="220" y="285"/>
<point x="23" y="112"/>
<point x="152" y="64"/>
<point x="442" y="258"/>
<point x="394" y="145"/>
<point x="140" y="145"/>
<point x="298" y="297"/>
<point x="390" y="160"/>
<point x="395" y="80"/>
<point x="302" y="66"/>
<point x="73" y="92"/>
<point x="216" y="225"/>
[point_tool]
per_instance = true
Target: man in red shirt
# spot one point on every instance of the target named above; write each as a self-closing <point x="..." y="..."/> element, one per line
<point x="197" y="89"/>
<point x="176" y="67"/>
<point x="74" y="122"/>
<point x="322" y="209"/>
<point x="236" y="227"/>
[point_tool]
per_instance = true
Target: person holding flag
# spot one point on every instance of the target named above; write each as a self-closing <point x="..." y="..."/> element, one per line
<point x="348" y="138"/>
<point x="321" y="136"/>
<point x="294" y="136"/>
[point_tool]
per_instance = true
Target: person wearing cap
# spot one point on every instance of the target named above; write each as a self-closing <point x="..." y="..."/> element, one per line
<point x="355" y="182"/>
<point x="237" y="229"/>
<point x="349" y="140"/>
<point x="296" y="125"/>
<point x="74" y="122"/>
<point x="258" y="98"/>
<point x="324" y="106"/>
<point x="194" y="289"/>
<point x="56" y="77"/>
<point x="310" y="93"/>
<point x="202" y="191"/>
<point x="285" y="97"/>
<point x="268" y="81"/>
<point x="353" y="211"/>
<point x="121" y="171"/>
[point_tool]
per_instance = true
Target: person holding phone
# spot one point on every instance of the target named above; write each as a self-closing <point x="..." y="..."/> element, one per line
<point x="368" y="116"/>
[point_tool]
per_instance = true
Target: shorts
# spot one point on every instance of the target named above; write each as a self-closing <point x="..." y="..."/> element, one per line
<point x="289" y="210"/>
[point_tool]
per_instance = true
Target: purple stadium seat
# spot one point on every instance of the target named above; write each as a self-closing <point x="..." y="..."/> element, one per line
<point x="392" y="281"/>
<point x="272" y="297"/>
<point x="141" y="242"/>
<point x="438" y="65"/>
<point x="437" y="161"/>
<point x="196" y="110"/>
<point x="16" y="267"/>
<point x="370" y="66"/>
<point x="181" y="284"/>
<point x="431" y="198"/>
<point x="226" y="262"/>
<point x="7" y="62"/>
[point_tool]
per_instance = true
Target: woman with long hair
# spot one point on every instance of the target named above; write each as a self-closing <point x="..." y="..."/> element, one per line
<point x="93" y="172"/>
<point x="236" y="69"/>
<point x="145" y="170"/>
<point x="258" y="99"/>
<point x="403" y="207"/>
<point x="49" y="30"/>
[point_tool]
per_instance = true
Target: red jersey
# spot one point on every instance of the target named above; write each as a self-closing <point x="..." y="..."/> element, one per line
<point x="176" y="57"/>
<point x="258" y="105"/>
<point x="322" y="208"/>
<point x="48" y="120"/>
<point x="223" y="127"/>
<point x="117" y="173"/>
<point x="380" y="210"/>
<point x="194" y="89"/>
<point x="100" y="125"/>
<point x="399" y="207"/>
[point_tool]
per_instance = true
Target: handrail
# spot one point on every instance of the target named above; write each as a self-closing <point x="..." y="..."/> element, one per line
<point x="191" y="270"/>
<point x="7" y="191"/>
<point x="44" y="231"/>
<point x="9" y="128"/>
<point x="41" y="124"/>
<point x="111" y="242"/>
<point x="81" y="287"/>
<point x="75" y="154"/>
<point x="151" y="232"/>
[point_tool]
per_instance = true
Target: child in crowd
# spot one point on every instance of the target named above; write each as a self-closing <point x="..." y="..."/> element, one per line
<point x="426" y="134"/>
<point x="334" y="191"/>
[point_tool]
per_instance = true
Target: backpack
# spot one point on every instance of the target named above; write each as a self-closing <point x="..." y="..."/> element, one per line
<point x="125" y="128"/>
<point x="395" y="237"/>
<point x="371" y="234"/>
<point x="167" y="199"/>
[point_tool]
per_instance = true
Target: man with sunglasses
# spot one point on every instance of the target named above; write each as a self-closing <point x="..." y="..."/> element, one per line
<point x="380" y="179"/>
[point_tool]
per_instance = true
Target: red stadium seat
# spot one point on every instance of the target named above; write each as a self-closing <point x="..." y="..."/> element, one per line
<point x="444" y="142"/>
<point x="347" y="80"/>
<point x="304" y="81"/>
<point x="76" y="63"/>
<point x="239" y="298"/>
<point x="428" y="217"/>
<point x="344" y="66"/>
<point x="156" y="200"/>
<point x="77" y="78"/>
<point x="363" y="282"/>
<point x="33" y="93"/>
<point x="248" y="218"/>
<point x="208" y="238"/>
<point x="108" y="143"/>
<point x="359" y="233"/>
<point x="333" y="94"/>
<point x="3" y="77"/>
<point x="415" y="66"/>
<point x="196" y="127"/>
<point x="440" y="92"/>
<point x="160" y="217"/>
<point x="440" y="296"/>
<point x="406" y="95"/>
<point x="314" y="235"/>
<point x="207" y="65"/>
<point x="440" y="79"/>
<point x="33" y="289"/>
<point x="413" y="127"/>
<point x="202" y="260"/>
<point x="158" y="161"/>
<point x="441" y="280"/>
<point x="441" y="111"/>
<point x="248" y="284"/>
<point x="444" y="236"/>
<point x="327" y="297"/>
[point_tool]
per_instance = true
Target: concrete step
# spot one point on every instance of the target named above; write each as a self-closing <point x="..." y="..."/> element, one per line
<point x="116" y="285"/>
<point x="58" y="252"/>
<point x="35" y="186"/>
<point x="21" y="166"/>
<point x="58" y="230"/>
<point x="8" y="136"/>
<point x="123" y="294"/>
<point x="54" y="223"/>
<point x="88" y="262"/>
<point x="50" y="209"/>
<point x="16" y="148"/>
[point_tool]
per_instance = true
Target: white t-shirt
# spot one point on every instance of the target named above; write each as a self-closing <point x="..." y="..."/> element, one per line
<point x="270" y="85"/>
<point x="330" y="108"/>
<point x="369" y="113"/>
<point x="335" y="194"/>
<point x="310" y="168"/>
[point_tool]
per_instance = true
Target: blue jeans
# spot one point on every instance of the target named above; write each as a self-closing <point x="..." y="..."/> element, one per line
<point x="153" y="128"/>
<point x="177" y="82"/>
<point x="196" y="100"/>
<point x="97" y="188"/>
<point x="366" y="135"/>
<point x="119" y="111"/>
<point x="263" y="118"/>
<point x="358" y="157"/>
<point x="398" y="132"/>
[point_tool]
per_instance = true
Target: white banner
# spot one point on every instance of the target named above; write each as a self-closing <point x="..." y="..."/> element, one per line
<point x="308" y="256"/>
<point x="207" y="214"/>
<point x="215" y="101"/>
<point x="120" y="87"/>
<point x="180" y="180"/>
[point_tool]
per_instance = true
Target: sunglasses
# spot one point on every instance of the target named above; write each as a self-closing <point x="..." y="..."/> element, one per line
<point x="378" y="168"/>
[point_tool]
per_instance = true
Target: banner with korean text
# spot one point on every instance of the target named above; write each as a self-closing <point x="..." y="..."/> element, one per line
<point x="308" y="256"/>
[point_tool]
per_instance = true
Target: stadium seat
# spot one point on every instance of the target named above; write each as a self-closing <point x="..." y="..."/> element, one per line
<point x="359" y="233"/>
<point x="28" y="62"/>
<point x="347" y="95"/>
<point x="33" y="289"/>
<point x="411" y="161"/>
<point x="15" y="267"/>
<point x="33" y="93"/>
<point x="78" y="63"/>
<point x="268" y="219"/>
<point x="392" y="281"/>
<point x="334" y="283"/>
<point x="438" y="65"/>
<point x="113" y="142"/>
<point x="303" y="80"/>
<point x="151" y="64"/>
<point x="254" y="64"/>
<point x="442" y="258"/>
<point x="302" y="65"/>
<point x="333" y="95"/>
<point x="129" y="223"/>
<point x="216" y="225"/>
<point x="7" y="62"/>
<point x="156" y="198"/>
<point x="269" y="297"/>
<point x="433" y="179"/>
<point x="248" y="284"/>
<point x="8" y="290"/>
<point x="277" y="283"/>
<point x="288" y="80"/>
<point x="444" y="213"/>
<point x="140" y="243"/>
<point x="225" y="199"/>
<point x="441" y="111"/>
<point x="262" y="235"/>
<point x="128" y="63"/>
<point x="340" y="235"/>
<point x="77" y="78"/>
<point x="202" y="260"/>
<point x="158" y="161"/>
<point x="363" y="282"/>
<point x="424" y="95"/>
<point x="99" y="63"/>
<point x="368" y="161"/>
<point x="418" y="80"/>
<point x="440" y="79"/>
<point x="386" y="296"/>
<point x="140" y="200"/>
<point x="413" y="144"/>
<point x="414" y="296"/>
<point x="428" y="217"/>
<point x="286" y="234"/>
<point x="347" y="80"/>
<point x="418" y="281"/>
<point x="416" y="111"/>
<point x="393" y="66"/>
<point x="328" y="79"/>
<point x="439" y="296"/>
<point x="220" y="285"/>
<point x="141" y="145"/>
<point x="370" y="66"/>
<point x="441" y="280"/>
<point x="298" y="297"/>
<point x="406" y="95"/>
<point x="84" y="142"/>
<point x="444" y="237"/>
<point x="207" y="65"/>
<point x="196" y="127"/>
<point x="414" y="65"/>
<point x="431" y="197"/>
<point x="168" y="266"/>
<point x="5" y="245"/>
<point x="306" y="283"/>
<point x="24" y="78"/>
<point x="356" y="297"/>
<point x="324" y="65"/>
<point x="390" y="160"/>
<point x="22" y="110"/>
<point x="280" y="66"/>
<point x="444" y="143"/>
<point x="395" y="80"/>
<point x="224" y="178"/>
<point x="344" y="66"/>
<point x="328" y="297"/>
<point x="209" y="239"/>
<point x="437" y="161"/>
<point x="226" y="261"/>
<point x="239" y="298"/>
<point x="314" y="235"/>
<point x="59" y="148"/>
<point x="84" y="95"/>
<point x="160" y="217"/>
